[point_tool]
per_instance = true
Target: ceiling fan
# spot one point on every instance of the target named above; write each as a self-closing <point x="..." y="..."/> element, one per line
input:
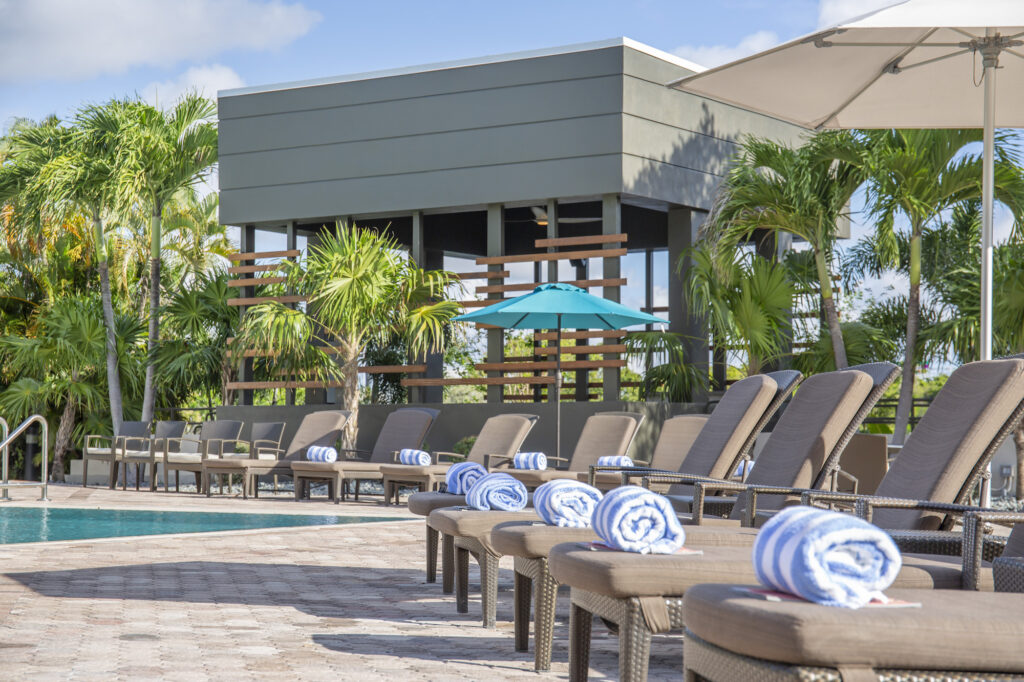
<point x="540" y="217"/>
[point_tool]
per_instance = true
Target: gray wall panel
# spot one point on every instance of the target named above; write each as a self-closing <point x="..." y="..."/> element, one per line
<point x="561" y="67"/>
<point x="665" y="182"/>
<point x="438" y="189"/>
<point x="659" y="142"/>
<point x="650" y="68"/>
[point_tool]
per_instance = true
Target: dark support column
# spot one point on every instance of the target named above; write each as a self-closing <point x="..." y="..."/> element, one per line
<point x="582" y="376"/>
<point x="683" y="228"/>
<point x="433" y="260"/>
<point x="552" y="267"/>
<point x="247" y="245"/>
<point x="289" y="393"/>
<point x="495" y="337"/>
<point x="419" y="256"/>
<point x="611" y="223"/>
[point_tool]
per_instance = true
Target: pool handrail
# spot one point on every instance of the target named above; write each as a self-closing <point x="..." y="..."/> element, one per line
<point x="5" y="449"/>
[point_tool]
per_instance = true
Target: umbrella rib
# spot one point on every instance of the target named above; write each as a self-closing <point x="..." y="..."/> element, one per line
<point x="601" y="317"/>
<point x="935" y="59"/>
<point x="860" y="91"/>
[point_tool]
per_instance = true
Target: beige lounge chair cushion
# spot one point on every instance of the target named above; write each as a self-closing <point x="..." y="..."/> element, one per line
<point x="533" y="540"/>
<point x="532" y="478"/>
<point x="400" y="472"/>
<point x="628" y="574"/>
<point x="182" y="457"/>
<point x="426" y="502"/>
<point x="102" y="452"/>
<point x="952" y="630"/>
<point x="340" y="467"/>
<point x="139" y="454"/>
<point x="475" y="524"/>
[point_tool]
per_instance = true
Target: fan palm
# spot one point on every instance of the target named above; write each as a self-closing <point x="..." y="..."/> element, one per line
<point x="196" y="244"/>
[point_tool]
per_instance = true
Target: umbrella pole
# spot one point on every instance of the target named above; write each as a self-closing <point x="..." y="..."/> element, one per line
<point x="991" y="60"/>
<point x="558" y="389"/>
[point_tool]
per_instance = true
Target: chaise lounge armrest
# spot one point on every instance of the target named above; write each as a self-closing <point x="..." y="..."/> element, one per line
<point x="222" y="442"/>
<point x="453" y="457"/>
<point x="254" y="446"/>
<point x="626" y="472"/>
<point x="277" y="452"/>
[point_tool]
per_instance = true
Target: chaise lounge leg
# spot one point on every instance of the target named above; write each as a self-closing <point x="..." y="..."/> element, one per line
<point x="85" y="470"/>
<point x="298" y="487"/>
<point x="634" y="645"/>
<point x="431" y="555"/>
<point x="544" y="618"/>
<point x="488" y="588"/>
<point x="199" y="483"/>
<point x="580" y="622"/>
<point x="206" y="483"/>
<point x="523" y="591"/>
<point x="447" y="564"/>
<point x="461" y="580"/>
<point x="356" y="494"/>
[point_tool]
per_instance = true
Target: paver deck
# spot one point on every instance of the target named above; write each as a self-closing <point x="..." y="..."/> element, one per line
<point x="318" y="603"/>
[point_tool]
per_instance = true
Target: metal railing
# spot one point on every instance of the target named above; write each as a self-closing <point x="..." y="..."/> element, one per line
<point x="5" y="451"/>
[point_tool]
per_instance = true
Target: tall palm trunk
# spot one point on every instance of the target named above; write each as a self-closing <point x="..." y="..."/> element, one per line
<point x="149" y="395"/>
<point x="350" y="392"/>
<point x="113" y="376"/>
<point x="60" y="446"/>
<point x="831" y="314"/>
<point x="906" y="402"/>
<point x="1018" y="442"/>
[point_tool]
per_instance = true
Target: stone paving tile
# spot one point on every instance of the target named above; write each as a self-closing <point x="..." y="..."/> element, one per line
<point x="318" y="603"/>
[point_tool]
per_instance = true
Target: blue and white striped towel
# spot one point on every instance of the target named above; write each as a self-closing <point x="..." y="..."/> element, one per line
<point x="566" y="503"/>
<point x="319" y="453"/>
<point x="414" y="457"/>
<point x="530" y="460"/>
<point x="615" y="461"/>
<point x="497" y="491"/>
<point x="461" y="476"/>
<point x="825" y="557"/>
<point x="634" y="519"/>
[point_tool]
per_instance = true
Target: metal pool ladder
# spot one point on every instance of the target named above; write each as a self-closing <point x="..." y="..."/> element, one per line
<point x="5" y="447"/>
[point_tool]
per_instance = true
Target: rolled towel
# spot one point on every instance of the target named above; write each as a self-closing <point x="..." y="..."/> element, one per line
<point x="614" y="461"/>
<point x="825" y="557"/>
<point x="461" y="477"/>
<point x="566" y="503"/>
<point x="414" y="457"/>
<point x="320" y="453"/>
<point x="497" y="491"/>
<point x="634" y="519"/>
<point x="530" y="460"/>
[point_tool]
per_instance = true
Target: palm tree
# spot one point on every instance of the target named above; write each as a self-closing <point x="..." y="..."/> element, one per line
<point x="920" y="175"/>
<point x="159" y="153"/>
<point x="196" y="244"/>
<point x="362" y="289"/>
<point x="803" y="191"/>
<point x="673" y="378"/>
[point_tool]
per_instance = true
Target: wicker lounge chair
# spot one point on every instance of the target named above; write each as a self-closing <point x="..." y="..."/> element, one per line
<point x="263" y="435"/>
<point x="149" y="454"/>
<point x="641" y="594"/>
<point x="733" y="634"/>
<point x="214" y="438"/>
<point x="605" y="432"/>
<point x="404" y="428"/>
<point x="317" y="428"/>
<point x="111" y="449"/>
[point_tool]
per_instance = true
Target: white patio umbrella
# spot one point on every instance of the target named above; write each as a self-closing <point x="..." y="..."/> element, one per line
<point x="914" y="64"/>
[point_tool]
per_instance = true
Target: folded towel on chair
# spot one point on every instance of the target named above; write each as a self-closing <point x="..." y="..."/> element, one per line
<point x="460" y="477"/>
<point x="414" y="457"/>
<point x="615" y="461"/>
<point x="319" y="453"/>
<point x="530" y="460"/>
<point x="825" y="557"/>
<point x="634" y="519"/>
<point x="497" y="491"/>
<point x="566" y="503"/>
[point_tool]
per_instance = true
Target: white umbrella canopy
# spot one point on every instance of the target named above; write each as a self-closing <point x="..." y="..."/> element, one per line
<point x="914" y="64"/>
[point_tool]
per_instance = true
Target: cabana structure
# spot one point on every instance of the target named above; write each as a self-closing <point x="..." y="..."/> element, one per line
<point x="572" y="164"/>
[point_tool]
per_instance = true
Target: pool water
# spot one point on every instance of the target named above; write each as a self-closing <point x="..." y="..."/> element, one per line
<point x="39" y="524"/>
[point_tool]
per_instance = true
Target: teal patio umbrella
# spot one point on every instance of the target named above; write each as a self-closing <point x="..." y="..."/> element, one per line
<point x="559" y="306"/>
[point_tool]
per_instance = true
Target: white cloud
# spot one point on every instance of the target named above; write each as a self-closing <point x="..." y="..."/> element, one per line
<point x="831" y="12"/>
<point x="714" y="55"/>
<point x="206" y="80"/>
<point x="75" y="40"/>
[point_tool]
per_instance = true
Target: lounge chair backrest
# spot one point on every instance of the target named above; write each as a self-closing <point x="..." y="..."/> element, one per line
<point x="220" y="430"/>
<point x="882" y="375"/>
<point x="817" y="418"/>
<point x="404" y="428"/>
<point x="1015" y="543"/>
<point x="728" y="429"/>
<point x="604" y="433"/>
<point x="271" y="433"/>
<point x="976" y="409"/>
<point x="136" y="433"/>
<point x="675" y="442"/>
<point x="169" y="429"/>
<point x="501" y="435"/>
<point x="317" y="428"/>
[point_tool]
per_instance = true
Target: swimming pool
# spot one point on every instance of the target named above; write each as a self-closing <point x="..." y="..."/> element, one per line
<point x="40" y="524"/>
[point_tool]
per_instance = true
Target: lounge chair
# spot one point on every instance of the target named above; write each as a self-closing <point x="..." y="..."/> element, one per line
<point x="605" y="433"/>
<point x="263" y="435"/>
<point x="317" y="428"/>
<point x="978" y="406"/>
<point x="214" y="439"/>
<point x="111" y="449"/>
<point x="150" y="452"/>
<point x="823" y="416"/>
<point x="404" y="428"/>
<point x="500" y="435"/>
<point x="953" y="635"/>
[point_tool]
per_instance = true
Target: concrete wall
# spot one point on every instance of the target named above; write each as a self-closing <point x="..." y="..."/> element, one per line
<point x="458" y="421"/>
